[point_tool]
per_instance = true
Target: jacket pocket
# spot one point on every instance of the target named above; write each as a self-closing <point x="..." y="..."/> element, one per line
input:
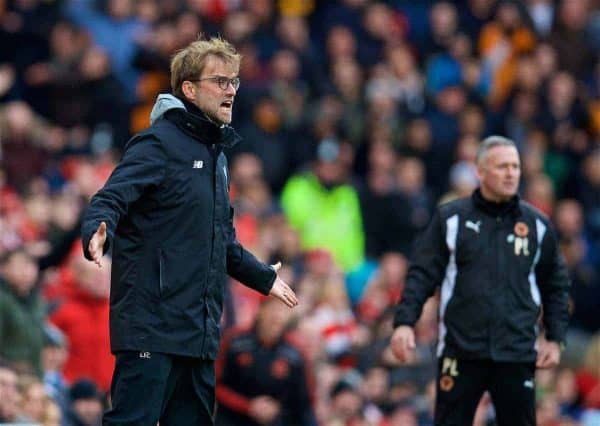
<point x="161" y="273"/>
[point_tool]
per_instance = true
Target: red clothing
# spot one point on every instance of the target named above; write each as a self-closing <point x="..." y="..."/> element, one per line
<point x="84" y="319"/>
<point x="589" y="388"/>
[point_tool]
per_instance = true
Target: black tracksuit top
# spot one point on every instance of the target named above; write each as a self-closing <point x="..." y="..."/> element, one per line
<point x="497" y="265"/>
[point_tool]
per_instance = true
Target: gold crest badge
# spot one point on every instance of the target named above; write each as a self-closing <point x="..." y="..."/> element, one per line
<point x="446" y="383"/>
<point x="521" y="229"/>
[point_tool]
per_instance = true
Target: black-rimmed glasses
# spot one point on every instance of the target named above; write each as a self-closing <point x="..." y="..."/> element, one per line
<point x="222" y="82"/>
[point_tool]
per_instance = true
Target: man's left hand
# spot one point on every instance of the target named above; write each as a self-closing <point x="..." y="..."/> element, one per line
<point x="282" y="291"/>
<point x="548" y="354"/>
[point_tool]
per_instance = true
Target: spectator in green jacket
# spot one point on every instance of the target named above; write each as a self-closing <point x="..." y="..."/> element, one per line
<point x="324" y="208"/>
<point x="22" y="312"/>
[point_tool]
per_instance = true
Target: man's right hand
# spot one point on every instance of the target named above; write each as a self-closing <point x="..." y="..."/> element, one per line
<point x="96" y="246"/>
<point x="264" y="409"/>
<point x="403" y="343"/>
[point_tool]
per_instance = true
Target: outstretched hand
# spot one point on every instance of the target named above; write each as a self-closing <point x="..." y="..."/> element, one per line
<point x="96" y="245"/>
<point x="281" y="290"/>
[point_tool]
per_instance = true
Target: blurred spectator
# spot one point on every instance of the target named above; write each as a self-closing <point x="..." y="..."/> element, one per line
<point x="294" y="34"/>
<point x="54" y="355"/>
<point x="581" y="259"/>
<point x="570" y="38"/>
<point x="324" y="208"/>
<point x="83" y="316"/>
<point x="347" y="403"/>
<point x="266" y="138"/>
<point x="36" y="406"/>
<point x="443" y="20"/>
<point x="87" y="404"/>
<point x="408" y="81"/>
<point x="463" y="181"/>
<point x="500" y="43"/>
<point x="348" y="80"/>
<point x="541" y="13"/>
<point x="24" y="139"/>
<point x="10" y="398"/>
<point x="455" y="66"/>
<point x="589" y="193"/>
<point x="115" y="29"/>
<point x="540" y="193"/>
<point x="22" y="312"/>
<point x="384" y="289"/>
<point x="262" y="378"/>
<point x="588" y="377"/>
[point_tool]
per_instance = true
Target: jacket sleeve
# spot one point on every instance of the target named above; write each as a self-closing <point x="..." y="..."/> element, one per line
<point x="426" y="272"/>
<point x="244" y="267"/>
<point x="553" y="282"/>
<point x="143" y="166"/>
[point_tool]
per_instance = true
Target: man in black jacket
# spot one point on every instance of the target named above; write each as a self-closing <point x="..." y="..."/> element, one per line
<point x="262" y="376"/>
<point x="498" y="264"/>
<point x="165" y="213"/>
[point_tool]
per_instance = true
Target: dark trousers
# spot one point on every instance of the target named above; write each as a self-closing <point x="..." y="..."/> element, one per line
<point x="461" y="383"/>
<point x="150" y="387"/>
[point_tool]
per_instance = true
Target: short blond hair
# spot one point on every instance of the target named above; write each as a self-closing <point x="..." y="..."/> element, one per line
<point x="189" y="62"/>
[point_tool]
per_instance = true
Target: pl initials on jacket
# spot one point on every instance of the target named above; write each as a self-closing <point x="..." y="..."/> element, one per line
<point x="499" y="267"/>
<point x="166" y="206"/>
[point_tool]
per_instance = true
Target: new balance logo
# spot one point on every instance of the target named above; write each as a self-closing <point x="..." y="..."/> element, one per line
<point x="198" y="164"/>
<point x="473" y="225"/>
<point x="528" y="384"/>
<point x="146" y="355"/>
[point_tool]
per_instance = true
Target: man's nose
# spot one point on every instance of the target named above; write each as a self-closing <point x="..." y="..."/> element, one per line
<point x="230" y="89"/>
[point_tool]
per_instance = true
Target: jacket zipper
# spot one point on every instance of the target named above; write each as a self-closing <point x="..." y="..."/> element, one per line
<point x="161" y="283"/>
<point x="497" y="248"/>
<point x="212" y="245"/>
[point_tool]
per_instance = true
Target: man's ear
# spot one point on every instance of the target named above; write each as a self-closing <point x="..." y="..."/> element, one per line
<point x="479" y="169"/>
<point x="189" y="90"/>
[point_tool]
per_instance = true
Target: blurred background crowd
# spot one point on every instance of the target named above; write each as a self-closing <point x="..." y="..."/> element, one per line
<point x="358" y="118"/>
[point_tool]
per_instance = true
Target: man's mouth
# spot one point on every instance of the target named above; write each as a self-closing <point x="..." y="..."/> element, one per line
<point x="227" y="104"/>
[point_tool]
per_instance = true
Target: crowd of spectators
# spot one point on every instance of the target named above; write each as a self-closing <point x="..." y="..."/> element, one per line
<point x="357" y="118"/>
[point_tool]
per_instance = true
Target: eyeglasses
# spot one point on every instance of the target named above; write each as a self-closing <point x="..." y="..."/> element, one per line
<point x="223" y="82"/>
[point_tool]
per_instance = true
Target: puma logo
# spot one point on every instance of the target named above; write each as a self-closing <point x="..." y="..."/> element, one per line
<point x="473" y="225"/>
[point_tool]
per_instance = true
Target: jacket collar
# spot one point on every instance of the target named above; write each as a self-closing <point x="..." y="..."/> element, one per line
<point x="194" y="123"/>
<point x="492" y="208"/>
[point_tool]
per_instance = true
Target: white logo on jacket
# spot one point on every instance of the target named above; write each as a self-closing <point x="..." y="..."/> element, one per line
<point x="198" y="164"/>
<point x="473" y="225"/>
<point x="521" y="244"/>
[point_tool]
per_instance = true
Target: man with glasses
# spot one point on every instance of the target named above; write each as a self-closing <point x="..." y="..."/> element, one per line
<point x="165" y="214"/>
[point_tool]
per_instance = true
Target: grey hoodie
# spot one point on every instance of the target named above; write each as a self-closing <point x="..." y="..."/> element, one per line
<point x="164" y="102"/>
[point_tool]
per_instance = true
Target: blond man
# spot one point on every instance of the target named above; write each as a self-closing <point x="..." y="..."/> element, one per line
<point x="165" y="214"/>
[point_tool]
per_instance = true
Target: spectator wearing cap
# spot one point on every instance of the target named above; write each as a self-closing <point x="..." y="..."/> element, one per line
<point x="324" y="208"/>
<point x="87" y="404"/>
